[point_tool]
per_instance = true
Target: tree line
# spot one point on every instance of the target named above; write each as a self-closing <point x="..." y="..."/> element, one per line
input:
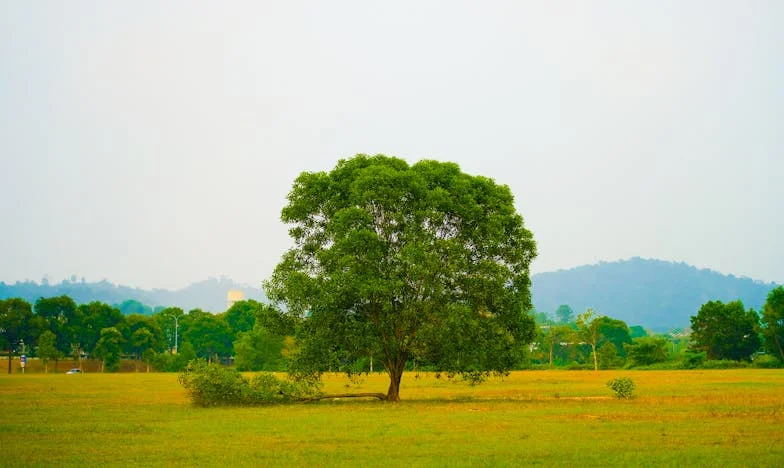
<point x="721" y="334"/>
<point x="250" y="334"/>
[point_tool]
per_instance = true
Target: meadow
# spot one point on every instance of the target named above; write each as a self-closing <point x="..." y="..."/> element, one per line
<point x="686" y="418"/>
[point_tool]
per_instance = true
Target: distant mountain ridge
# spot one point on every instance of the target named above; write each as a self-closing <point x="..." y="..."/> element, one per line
<point x="656" y="294"/>
<point x="653" y="293"/>
<point x="208" y="295"/>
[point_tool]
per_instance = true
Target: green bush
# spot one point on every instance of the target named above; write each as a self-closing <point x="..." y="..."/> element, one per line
<point x="622" y="386"/>
<point x="691" y="360"/>
<point x="210" y="384"/>
<point x="723" y="364"/>
<point x="767" y="361"/>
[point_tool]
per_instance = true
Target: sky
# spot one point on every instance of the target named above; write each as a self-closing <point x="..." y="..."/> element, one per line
<point x="153" y="143"/>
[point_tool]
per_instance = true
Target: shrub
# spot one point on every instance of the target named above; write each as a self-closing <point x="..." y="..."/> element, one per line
<point x="622" y="386"/>
<point x="691" y="360"/>
<point x="723" y="364"/>
<point x="210" y="384"/>
<point x="766" y="361"/>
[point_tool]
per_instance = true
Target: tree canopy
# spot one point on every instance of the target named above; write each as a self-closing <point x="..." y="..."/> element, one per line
<point x="725" y="331"/>
<point x="405" y="262"/>
<point x="773" y="322"/>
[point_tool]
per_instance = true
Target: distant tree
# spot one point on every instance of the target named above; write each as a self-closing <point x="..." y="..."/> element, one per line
<point x="646" y="350"/>
<point x="59" y="312"/>
<point x="172" y="333"/>
<point x="142" y="339"/>
<point x="97" y="316"/>
<point x="413" y="262"/>
<point x="241" y="316"/>
<point x="588" y="326"/>
<point x="210" y="336"/>
<point x="637" y="332"/>
<point x="615" y="332"/>
<point x="564" y="313"/>
<point x="551" y="338"/>
<point x="773" y="322"/>
<point x="608" y="356"/>
<point x="47" y="349"/>
<point x="132" y="306"/>
<point x="16" y="317"/>
<point x="259" y="350"/>
<point x="133" y="324"/>
<point x="725" y="331"/>
<point x="108" y="348"/>
<point x="540" y="317"/>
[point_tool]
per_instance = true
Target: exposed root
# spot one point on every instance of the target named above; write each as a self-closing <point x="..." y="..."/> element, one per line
<point x="380" y="396"/>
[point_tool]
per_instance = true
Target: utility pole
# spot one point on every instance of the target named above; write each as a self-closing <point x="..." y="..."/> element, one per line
<point x="176" y="330"/>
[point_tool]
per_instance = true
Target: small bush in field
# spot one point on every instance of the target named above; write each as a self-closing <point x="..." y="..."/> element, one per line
<point x="210" y="384"/>
<point x="622" y="386"/>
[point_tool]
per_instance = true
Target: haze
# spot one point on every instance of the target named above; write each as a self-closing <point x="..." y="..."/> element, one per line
<point x="153" y="143"/>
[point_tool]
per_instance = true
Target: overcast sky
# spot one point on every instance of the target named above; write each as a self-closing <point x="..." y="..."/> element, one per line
<point x="153" y="143"/>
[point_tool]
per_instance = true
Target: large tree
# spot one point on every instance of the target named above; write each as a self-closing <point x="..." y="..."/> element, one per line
<point x="725" y="331"/>
<point x="405" y="262"/>
<point x="773" y="322"/>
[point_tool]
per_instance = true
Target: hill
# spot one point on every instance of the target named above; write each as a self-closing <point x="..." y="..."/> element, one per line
<point x="653" y="293"/>
<point x="208" y="295"/>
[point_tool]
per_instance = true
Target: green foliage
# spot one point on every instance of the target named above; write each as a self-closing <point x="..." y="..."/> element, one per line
<point x="16" y="323"/>
<point x="241" y="316"/>
<point x="210" y="384"/>
<point x="564" y="313"/>
<point x="623" y="387"/>
<point x="404" y="262"/>
<point x="47" y="348"/>
<point x="588" y="329"/>
<point x="692" y="360"/>
<point x="723" y="364"/>
<point x="108" y="348"/>
<point x="166" y="362"/>
<point x="725" y="331"/>
<point x="608" y="357"/>
<point x="132" y="306"/>
<point x="210" y="335"/>
<point x="637" y="331"/>
<point x="259" y="349"/>
<point x="646" y="350"/>
<point x="767" y="361"/>
<point x="615" y="332"/>
<point x="773" y="322"/>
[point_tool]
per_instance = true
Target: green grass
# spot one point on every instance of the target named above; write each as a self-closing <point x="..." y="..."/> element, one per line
<point x="684" y="418"/>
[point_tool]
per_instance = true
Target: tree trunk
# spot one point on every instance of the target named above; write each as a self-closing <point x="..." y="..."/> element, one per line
<point x="552" y="345"/>
<point x="371" y="363"/>
<point x="778" y="343"/>
<point x="10" y="354"/>
<point x="595" y="362"/>
<point x="56" y="361"/>
<point x="395" y="372"/>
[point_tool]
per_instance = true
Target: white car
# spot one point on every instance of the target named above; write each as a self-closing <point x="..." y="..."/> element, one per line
<point x="74" y="371"/>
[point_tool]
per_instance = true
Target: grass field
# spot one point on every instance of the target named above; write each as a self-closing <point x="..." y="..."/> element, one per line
<point x="679" y="418"/>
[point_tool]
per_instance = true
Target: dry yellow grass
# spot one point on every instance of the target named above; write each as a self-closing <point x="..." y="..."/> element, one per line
<point x="684" y="418"/>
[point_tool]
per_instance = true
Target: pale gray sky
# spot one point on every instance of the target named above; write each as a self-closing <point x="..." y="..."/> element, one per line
<point x="153" y="143"/>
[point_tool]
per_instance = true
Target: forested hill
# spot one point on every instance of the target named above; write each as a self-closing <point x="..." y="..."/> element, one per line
<point x="653" y="293"/>
<point x="208" y="295"/>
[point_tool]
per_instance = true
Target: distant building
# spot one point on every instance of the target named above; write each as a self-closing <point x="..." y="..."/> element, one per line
<point x="233" y="296"/>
